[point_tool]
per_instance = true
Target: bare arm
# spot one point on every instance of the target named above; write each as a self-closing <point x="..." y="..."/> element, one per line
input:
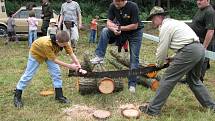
<point x="65" y="64"/>
<point x="75" y="60"/>
<point x="208" y="38"/>
<point x="79" y="20"/>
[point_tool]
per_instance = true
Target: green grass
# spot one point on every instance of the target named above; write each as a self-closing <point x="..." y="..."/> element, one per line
<point x="181" y="105"/>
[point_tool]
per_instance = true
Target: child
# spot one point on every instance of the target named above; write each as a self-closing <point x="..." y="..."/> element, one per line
<point x="93" y="29"/>
<point x="11" y="29"/>
<point x="52" y="29"/>
<point x="32" y="27"/>
<point x="45" y="49"/>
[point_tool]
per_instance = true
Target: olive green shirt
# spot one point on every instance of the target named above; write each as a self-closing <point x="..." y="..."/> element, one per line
<point x="42" y="49"/>
<point x="203" y="20"/>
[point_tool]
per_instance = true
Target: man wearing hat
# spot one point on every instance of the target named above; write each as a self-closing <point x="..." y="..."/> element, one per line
<point x="189" y="56"/>
<point x="123" y="24"/>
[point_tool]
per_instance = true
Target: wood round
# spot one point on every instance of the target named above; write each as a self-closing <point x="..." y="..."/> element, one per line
<point x="106" y="85"/>
<point x="131" y="113"/>
<point x="47" y="92"/>
<point x="101" y="114"/>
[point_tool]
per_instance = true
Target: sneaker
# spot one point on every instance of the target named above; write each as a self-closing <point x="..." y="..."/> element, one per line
<point x="132" y="89"/>
<point x="97" y="60"/>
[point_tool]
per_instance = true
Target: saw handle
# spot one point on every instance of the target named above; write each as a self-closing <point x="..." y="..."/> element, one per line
<point x="81" y="71"/>
<point x="164" y="66"/>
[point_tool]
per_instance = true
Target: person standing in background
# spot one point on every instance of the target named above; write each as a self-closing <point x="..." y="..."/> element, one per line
<point x="93" y="29"/>
<point x="203" y="24"/>
<point x="70" y="15"/>
<point x="47" y="14"/>
<point x="52" y="29"/>
<point x="11" y="29"/>
<point x="32" y="27"/>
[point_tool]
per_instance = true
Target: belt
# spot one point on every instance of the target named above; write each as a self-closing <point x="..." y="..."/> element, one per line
<point x="188" y="44"/>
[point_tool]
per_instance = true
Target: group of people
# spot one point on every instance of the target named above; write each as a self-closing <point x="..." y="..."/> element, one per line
<point x="123" y="24"/>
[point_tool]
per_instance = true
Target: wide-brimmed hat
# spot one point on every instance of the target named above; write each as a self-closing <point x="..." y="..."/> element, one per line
<point x="156" y="11"/>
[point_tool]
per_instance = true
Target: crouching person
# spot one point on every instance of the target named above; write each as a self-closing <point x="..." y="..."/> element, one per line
<point x="45" y="49"/>
<point x="188" y="59"/>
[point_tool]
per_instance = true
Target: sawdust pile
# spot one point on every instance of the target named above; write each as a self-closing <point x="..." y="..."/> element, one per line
<point x="78" y="112"/>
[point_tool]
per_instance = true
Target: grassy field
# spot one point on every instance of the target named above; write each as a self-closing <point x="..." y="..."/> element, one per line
<point x="181" y="105"/>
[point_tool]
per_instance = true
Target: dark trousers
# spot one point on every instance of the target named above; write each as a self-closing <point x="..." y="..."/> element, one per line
<point x="44" y="27"/>
<point x="206" y="63"/>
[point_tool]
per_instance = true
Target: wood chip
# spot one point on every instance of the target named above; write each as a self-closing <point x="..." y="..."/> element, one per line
<point x="131" y="113"/>
<point x="47" y="92"/>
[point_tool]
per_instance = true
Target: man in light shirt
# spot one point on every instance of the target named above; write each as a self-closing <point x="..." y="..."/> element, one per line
<point x="70" y="16"/>
<point x="187" y="61"/>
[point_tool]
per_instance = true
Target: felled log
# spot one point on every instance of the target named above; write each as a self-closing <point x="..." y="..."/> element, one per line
<point x="104" y="85"/>
<point x="117" y="65"/>
<point x="86" y="64"/>
<point x="121" y="58"/>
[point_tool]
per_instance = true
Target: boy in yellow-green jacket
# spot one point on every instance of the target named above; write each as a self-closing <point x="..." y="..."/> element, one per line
<point x="45" y="49"/>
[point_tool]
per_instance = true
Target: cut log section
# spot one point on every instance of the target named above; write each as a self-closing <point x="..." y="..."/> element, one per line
<point x="101" y="114"/>
<point x="131" y="113"/>
<point x="104" y="85"/>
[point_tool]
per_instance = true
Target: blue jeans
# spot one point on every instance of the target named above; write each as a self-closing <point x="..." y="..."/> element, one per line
<point x="31" y="69"/>
<point x="32" y="35"/>
<point x="135" y="40"/>
<point x="92" y="36"/>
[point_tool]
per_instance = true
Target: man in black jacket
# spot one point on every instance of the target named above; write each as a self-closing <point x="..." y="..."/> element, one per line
<point x="47" y="14"/>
